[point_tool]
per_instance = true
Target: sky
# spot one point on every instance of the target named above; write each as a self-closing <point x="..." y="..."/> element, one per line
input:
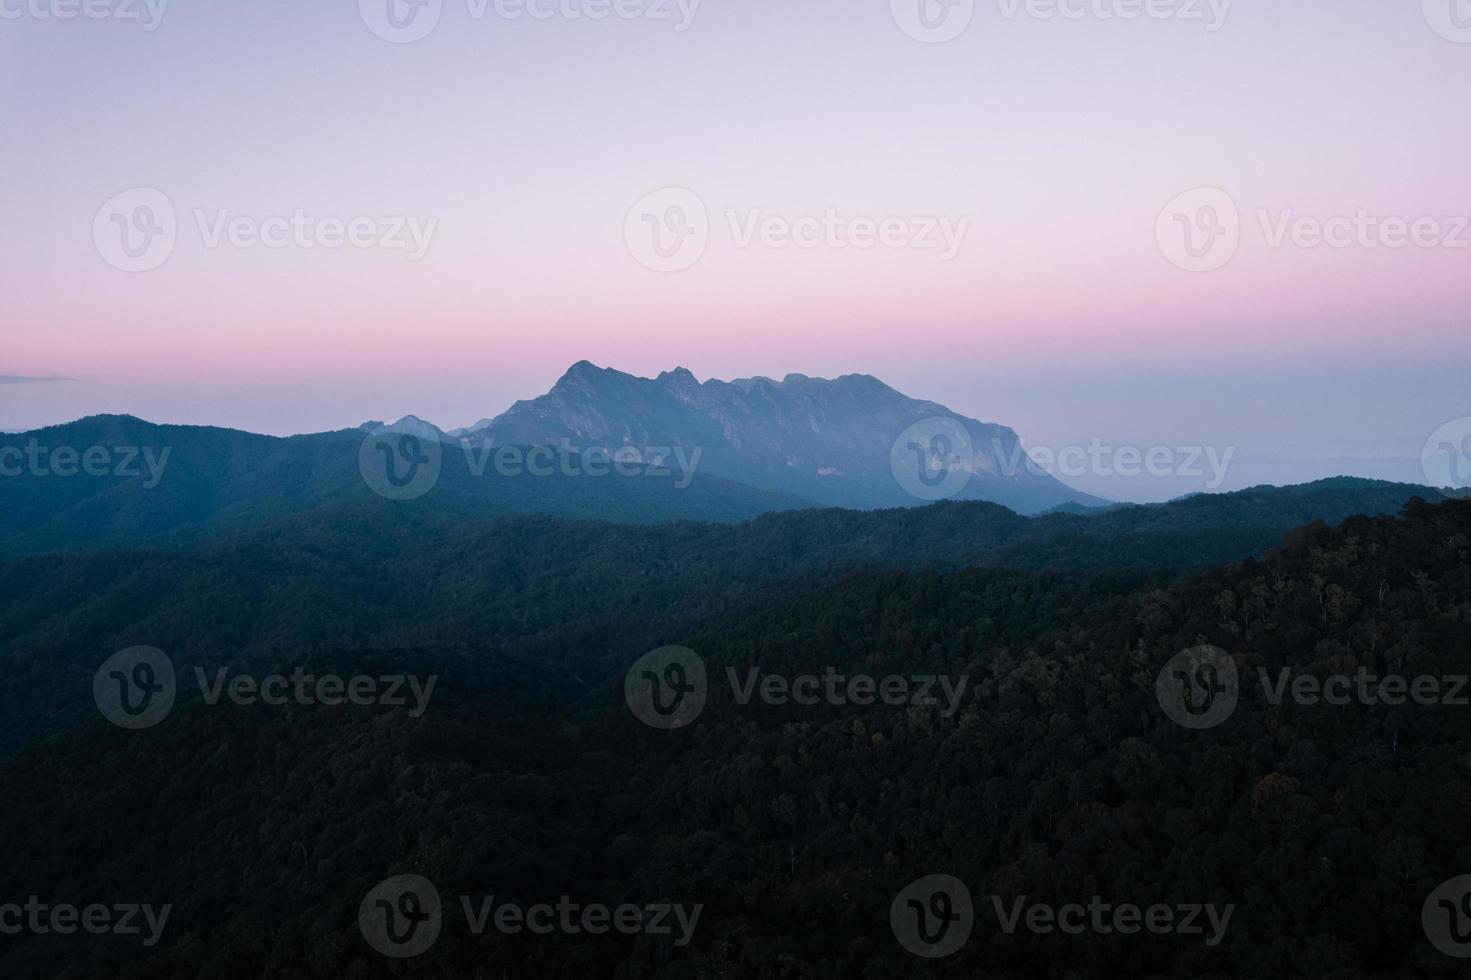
<point x="1145" y="205"/>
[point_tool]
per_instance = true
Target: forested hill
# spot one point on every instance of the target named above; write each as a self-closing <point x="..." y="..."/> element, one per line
<point x="1060" y="777"/>
<point x="151" y="484"/>
<point x="391" y="574"/>
<point x="117" y="481"/>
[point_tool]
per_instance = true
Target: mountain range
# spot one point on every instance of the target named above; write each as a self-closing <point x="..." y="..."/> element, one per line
<point x="722" y="452"/>
<point x="713" y="451"/>
<point x="828" y="441"/>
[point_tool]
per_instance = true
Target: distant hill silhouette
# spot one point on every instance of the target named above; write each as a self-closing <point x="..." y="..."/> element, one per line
<point x="203" y="480"/>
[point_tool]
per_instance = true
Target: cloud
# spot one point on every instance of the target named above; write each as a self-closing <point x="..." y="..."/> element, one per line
<point x="20" y="379"/>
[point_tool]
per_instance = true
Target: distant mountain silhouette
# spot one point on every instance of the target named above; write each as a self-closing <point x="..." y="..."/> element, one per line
<point x="164" y="484"/>
<point x="717" y="452"/>
<point x="826" y="441"/>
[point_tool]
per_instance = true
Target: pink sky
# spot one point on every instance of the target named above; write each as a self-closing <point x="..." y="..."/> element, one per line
<point x="1059" y="142"/>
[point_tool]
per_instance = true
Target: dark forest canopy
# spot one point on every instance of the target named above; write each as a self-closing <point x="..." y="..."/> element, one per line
<point x="1059" y="778"/>
<point x="389" y="574"/>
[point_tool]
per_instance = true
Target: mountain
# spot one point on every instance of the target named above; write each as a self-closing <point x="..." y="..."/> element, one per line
<point x="115" y="480"/>
<point x="410" y="424"/>
<point x="118" y="481"/>
<point x="832" y="442"/>
<point x="712" y="451"/>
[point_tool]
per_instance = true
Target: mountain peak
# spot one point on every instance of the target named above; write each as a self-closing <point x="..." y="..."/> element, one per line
<point x="584" y="370"/>
<point x="410" y="424"/>
<point x="678" y="374"/>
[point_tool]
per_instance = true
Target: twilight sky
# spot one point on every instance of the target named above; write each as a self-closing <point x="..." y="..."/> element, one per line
<point x="523" y="142"/>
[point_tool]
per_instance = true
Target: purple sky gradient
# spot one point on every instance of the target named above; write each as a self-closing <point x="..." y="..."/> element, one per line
<point x="1059" y="141"/>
